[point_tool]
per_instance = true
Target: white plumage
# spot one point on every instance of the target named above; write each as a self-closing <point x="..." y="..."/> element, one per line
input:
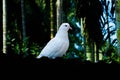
<point x="58" y="45"/>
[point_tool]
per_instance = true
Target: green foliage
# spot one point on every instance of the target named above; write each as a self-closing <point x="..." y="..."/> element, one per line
<point x="25" y="45"/>
<point x="18" y="47"/>
<point x="117" y="3"/>
<point x="23" y="48"/>
<point x="110" y="55"/>
<point x="35" y="49"/>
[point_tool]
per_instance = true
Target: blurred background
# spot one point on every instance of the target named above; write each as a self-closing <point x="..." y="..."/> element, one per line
<point x="27" y="25"/>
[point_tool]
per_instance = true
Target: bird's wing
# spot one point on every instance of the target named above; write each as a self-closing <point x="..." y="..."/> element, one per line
<point x="51" y="48"/>
<point x="63" y="47"/>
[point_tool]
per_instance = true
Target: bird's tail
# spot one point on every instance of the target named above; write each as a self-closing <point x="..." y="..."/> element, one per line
<point x="39" y="56"/>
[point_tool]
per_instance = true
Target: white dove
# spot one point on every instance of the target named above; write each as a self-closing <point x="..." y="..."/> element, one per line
<point x="58" y="45"/>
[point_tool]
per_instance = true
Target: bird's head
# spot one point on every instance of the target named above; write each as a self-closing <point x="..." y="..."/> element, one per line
<point x="65" y="27"/>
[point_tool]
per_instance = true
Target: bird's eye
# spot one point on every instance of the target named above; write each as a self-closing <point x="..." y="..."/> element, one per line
<point x="65" y="25"/>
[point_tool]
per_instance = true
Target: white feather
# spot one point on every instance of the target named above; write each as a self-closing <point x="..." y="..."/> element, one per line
<point x="57" y="46"/>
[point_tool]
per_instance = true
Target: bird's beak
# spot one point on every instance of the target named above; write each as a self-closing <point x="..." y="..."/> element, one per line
<point x="70" y="28"/>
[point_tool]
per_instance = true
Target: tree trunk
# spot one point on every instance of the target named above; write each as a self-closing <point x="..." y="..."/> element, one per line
<point x="83" y="33"/>
<point x="59" y="12"/>
<point x="51" y="19"/>
<point x="92" y="51"/>
<point x="118" y="24"/>
<point x="23" y="20"/>
<point x="4" y="26"/>
<point x="97" y="52"/>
